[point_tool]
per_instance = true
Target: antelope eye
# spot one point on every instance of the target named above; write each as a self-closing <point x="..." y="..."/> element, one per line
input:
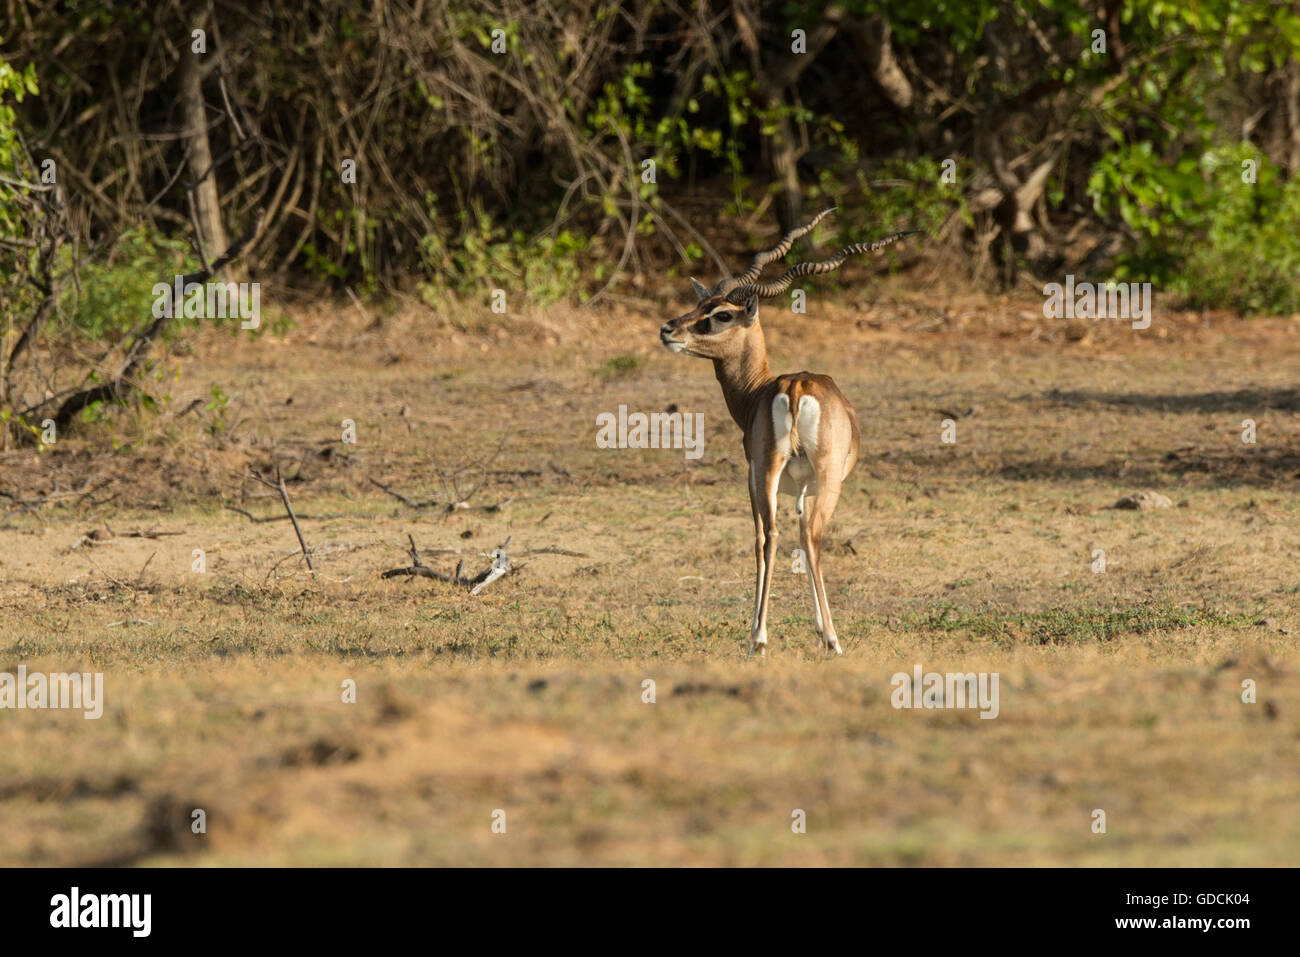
<point x="724" y="316"/>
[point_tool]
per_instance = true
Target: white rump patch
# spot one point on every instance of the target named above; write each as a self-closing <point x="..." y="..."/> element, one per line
<point x="782" y="422"/>
<point x="798" y="476"/>
<point x="810" y="417"/>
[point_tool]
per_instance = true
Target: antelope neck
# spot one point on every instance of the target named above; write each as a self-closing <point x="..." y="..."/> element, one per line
<point x="742" y="375"/>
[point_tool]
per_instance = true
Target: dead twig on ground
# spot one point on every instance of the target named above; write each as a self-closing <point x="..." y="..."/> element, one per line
<point x="57" y="494"/>
<point x="284" y="518"/>
<point x="278" y="485"/>
<point x="553" y="550"/>
<point x="445" y="506"/>
<point x="139" y="579"/>
<point x="93" y="537"/>
<point x="500" y="566"/>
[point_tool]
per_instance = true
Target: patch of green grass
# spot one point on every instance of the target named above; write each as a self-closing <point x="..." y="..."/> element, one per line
<point x="618" y="366"/>
<point x="1052" y="626"/>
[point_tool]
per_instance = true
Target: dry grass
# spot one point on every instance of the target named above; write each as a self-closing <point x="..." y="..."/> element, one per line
<point x="1119" y="691"/>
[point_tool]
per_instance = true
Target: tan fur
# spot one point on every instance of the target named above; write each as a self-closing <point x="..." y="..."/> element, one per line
<point x="739" y="355"/>
<point x="795" y="392"/>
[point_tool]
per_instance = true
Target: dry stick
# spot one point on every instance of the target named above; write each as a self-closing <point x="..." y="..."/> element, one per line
<point x="409" y="503"/>
<point x="198" y="232"/>
<point x="500" y="566"/>
<point x="281" y="518"/>
<point x="284" y="497"/>
<point x="56" y="494"/>
<point x="629" y="242"/>
<point x="483" y="470"/>
<point x="554" y="550"/>
<point x="139" y="579"/>
<point x="115" y="581"/>
<point x="278" y="485"/>
<point x="417" y="567"/>
<point x="139" y="346"/>
<point x="446" y="506"/>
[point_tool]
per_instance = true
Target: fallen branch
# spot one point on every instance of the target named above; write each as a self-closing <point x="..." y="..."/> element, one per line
<point x="93" y="537"/>
<point x="284" y="518"/>
<point x="124" y="382"/>
<point x="58" y="494"/>
<point x="445" y="506"/>
<point x="500" y="566"/>
<point x="553" y="550"/>
<point x="139" y="579"/>
<point x="278" y="485"/>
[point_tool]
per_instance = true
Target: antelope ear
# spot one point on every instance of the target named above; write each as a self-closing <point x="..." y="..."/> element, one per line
<point x="751" y="310"/>
<point x="701" y="291"/>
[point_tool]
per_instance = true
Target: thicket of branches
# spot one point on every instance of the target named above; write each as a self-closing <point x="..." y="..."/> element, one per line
<point x="448" y="135"/>
<point x="504" y="143"/>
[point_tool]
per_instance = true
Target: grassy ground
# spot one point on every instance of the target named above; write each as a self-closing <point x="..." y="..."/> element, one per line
<point x="1120" y="691"/>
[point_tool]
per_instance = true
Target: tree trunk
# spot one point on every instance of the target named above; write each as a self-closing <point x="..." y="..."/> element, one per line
<point x="774" y="80"/>
<point x="873" y="39"/>
<point x="1292" y="97"/>
<point x="207" y="202"/>
<point x="784" y="161"/>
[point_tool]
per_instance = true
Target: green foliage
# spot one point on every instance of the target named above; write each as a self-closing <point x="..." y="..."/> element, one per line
<point x="1250" y="255"/>
<point x="217" y="407"/>
<point x="17" y="296"/>
<point x="961" y="22"/>
<point x="13" y="85"/>
<point x="893" y="194"/>
<point x="117" y="296"/>
<point x="1204" y="229"/>
<point x="8" y="415"/>
<point x="1169" y="175"/>
<point x="538" y="148"/>
<point x="541" y="269"/>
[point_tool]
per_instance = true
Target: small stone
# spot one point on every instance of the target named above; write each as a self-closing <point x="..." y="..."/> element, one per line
<point x="1144" y="500"/>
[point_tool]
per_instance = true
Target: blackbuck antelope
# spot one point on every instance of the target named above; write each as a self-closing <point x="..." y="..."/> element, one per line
<point x="801" y="434"/>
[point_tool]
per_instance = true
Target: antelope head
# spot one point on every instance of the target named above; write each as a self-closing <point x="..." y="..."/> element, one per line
<point x="715" y="328"/>
<point x="726" y="316"/>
